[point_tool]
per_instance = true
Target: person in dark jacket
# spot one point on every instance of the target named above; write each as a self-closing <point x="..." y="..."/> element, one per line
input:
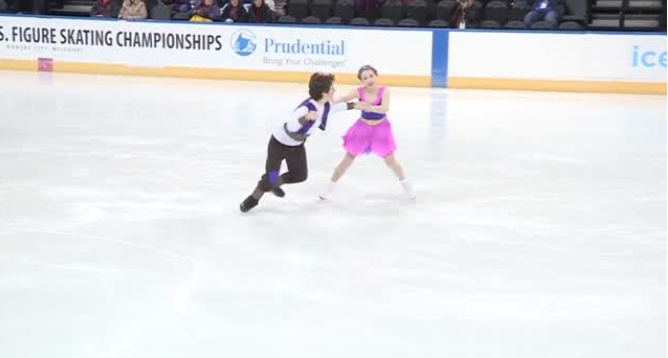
<point x="234" y="11"/>
<point x="205" y="10"/>
<point x="105" y="8"/>
<point x="548" y="10"/>
<point x="260" y="12"/>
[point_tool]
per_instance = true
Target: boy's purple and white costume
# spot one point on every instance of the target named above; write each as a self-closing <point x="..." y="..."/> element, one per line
<point x="287" y="143"/>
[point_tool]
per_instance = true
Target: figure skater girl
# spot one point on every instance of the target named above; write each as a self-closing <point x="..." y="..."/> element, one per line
<point x="372" y="133"/>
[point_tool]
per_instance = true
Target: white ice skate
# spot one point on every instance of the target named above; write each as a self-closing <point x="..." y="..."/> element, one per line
<point x="408" y="188"/>
<point x="326" y="193"/>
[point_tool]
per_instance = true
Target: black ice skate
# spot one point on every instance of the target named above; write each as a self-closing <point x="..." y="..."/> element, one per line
<point x="278" y="192"/>
<point x="248" y="204"/>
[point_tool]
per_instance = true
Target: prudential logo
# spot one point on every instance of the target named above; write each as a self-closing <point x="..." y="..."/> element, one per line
<point x="243" y="42"/>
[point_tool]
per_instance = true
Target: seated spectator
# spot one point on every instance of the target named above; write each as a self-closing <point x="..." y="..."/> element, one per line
<point x="169" y="3"/>
<point x="234" y="11"/>
<point x="133" y="9"/>
<point x="182" y="9"/>
<point x="104" y="8"/>
<point x="459" y="13"/>
<point x="548" y="10"/>
<point x="260" y="12"/>
<point x="205" y="11"/>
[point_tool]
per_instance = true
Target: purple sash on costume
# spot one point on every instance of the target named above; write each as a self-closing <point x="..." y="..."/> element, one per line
<point x="311" y="107"/>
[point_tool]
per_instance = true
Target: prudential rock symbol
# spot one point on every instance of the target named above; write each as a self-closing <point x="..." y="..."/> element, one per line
<point x="243" y="42"/>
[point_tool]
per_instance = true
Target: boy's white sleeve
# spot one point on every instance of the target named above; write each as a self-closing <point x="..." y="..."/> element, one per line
<point x="339" y="107"/>
<point x="293" y="123"/>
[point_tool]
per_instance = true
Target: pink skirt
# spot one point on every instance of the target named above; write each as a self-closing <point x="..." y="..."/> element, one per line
<point x="362" y="138"/>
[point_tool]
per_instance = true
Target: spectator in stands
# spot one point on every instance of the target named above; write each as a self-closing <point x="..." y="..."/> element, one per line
<point x="182" y="9"/>
<point x="205" y="11"/>
<point x="182" y="5"/>
<point x="548" y="10"/>
<point x="105" y="8"/>
<point x="260" y="12"/>
<point x="133" y="9"/>
<point x="271" y="4"/>
<point x="234" y="11"/>
<point x="459" y="13"/>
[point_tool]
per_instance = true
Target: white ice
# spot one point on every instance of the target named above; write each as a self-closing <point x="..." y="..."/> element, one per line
<point x="539" y="228"/>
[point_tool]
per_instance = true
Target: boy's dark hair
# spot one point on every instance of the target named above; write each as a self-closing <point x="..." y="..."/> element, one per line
<point x="366" y="68"/>
<point x="320" y="83"/>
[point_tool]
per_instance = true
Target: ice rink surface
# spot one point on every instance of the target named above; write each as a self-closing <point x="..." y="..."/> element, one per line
<point x="539" y="229"/>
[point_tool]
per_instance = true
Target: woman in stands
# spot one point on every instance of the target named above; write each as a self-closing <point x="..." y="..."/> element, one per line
<point x="372" y="133"/>
<point x="260" y="12"/>
<point x="234" y="11"/>
<point x="133" y="9"/>
<point x="458" y="20"/>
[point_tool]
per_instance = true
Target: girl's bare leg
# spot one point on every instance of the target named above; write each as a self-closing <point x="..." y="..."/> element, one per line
<point x="343" y="166"/>
<point x="391" y="161"/>
<point x="339" y="171"/>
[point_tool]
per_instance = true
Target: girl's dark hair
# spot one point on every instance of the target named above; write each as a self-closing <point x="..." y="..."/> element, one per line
<point x="366" y="68"/>
<point x="320" y="83"/>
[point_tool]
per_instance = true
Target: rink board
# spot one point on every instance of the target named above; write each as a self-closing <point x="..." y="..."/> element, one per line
<point x="263" y="53"/>
<point x="588" y="62"/>
<point x="481" y="59"/>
